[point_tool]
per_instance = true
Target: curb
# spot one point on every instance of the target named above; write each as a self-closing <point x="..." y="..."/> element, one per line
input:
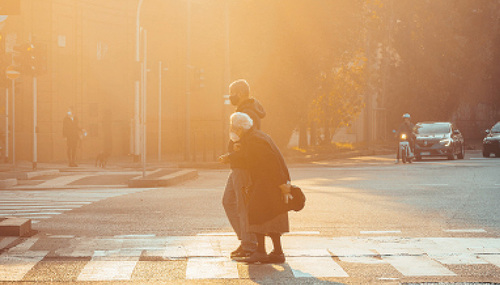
<point x="8" y="183"/>
<point x="30" y="174"/>
<point x="164" y="181"/>
<point x="15" y="227"/>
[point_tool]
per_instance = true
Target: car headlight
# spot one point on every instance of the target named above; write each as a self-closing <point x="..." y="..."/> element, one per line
<point x="445" y="142"/>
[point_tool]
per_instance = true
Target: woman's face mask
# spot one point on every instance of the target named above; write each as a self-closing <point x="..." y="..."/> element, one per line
<point x="234" y="136"/>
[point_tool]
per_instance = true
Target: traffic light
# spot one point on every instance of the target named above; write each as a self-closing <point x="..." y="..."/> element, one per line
<point x="30" y="57"/>
<point x="21" y="55"/>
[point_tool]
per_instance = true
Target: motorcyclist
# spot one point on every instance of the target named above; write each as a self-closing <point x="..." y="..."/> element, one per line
<point x="408" y="128"/>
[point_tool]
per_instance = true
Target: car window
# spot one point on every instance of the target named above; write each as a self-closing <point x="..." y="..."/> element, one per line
<point x="433" y="129"/>
<point x="496" y="128"/>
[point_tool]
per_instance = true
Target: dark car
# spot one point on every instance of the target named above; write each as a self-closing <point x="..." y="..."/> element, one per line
<point x="438" y="139"/>
<point x="491" y="143"/>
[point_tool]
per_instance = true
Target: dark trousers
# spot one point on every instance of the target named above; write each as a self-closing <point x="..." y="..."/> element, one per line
<point x="71" y="151"/>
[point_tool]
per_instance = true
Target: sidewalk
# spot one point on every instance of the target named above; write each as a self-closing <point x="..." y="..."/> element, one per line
<point x="116" y="174"/>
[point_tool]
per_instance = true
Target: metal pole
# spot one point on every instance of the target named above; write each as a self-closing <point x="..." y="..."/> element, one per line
<point x="35" y="123"/>
<point x="136" y="138"/>
<point x="188" y="84"/>
<point x="14" y="123"/>
<point x="6" y="124"/>
<point x="159" y="111"/>
<point x="227" y="77"/>
<point x="144" y="96"/>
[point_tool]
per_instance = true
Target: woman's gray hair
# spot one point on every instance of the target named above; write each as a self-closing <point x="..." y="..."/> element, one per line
<point x="241" y="120"/>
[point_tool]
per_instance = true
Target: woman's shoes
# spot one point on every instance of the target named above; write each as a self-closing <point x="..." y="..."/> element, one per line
<point x="240" y="253"/>
<point x="274" y="257"/>
<point x="262" y="257"/>
<point x="257" y="258"/>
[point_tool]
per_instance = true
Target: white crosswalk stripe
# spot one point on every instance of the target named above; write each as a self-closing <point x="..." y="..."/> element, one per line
<point x="418" y="266"/>
<point x="43" y="204"/>
<point x="315" y="267"/>
<point x="108" y="270"/>
<point x="206" y="257"/>
<point x="211" y="268"/>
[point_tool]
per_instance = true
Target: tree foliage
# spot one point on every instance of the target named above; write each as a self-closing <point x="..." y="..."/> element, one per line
<point x="340" y="95"/>
<point x="446" y="54"/>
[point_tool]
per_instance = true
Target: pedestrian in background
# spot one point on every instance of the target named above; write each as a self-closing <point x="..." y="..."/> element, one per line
<point x="71" y="131"/>
<point x="268" y="195"/>
<point x="239" y="177"/>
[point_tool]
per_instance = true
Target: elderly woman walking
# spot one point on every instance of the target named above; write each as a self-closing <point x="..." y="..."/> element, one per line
<point x="268" y="195"/>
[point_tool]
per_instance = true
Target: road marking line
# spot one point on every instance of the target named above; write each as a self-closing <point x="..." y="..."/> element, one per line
<point x="314" y="252"/>
<point x="13" y="267"/>
<point x="418" y="266"/>
<point x="491" y="258"/>
<point x="174" y="251"/>
<point x="302" y="233"/>
<point x="465" y="231"/>
<point x="217" y="234"/>
<point x="61" y="181"/>
<point x="6" y="241"/>
<point x="303" y="267"/>
<point x="30" y="214"/>
<point x="25" y="245"/>
<point x="62" y="236"/>
<point x="430" y="184"/>
<point x="135" y="236"/>
<point x="288" y="234"/>
<point x="379" y="232"/>
<point x="211" y="268"/>
<point x="459" y="259"/>
<point x="105" y="270"/>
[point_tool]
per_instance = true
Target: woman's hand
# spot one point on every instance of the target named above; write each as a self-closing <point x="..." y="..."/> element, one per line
<point x="286" y="190"/>
<point x="224" y="158"/>
<point x="237" y="146"/>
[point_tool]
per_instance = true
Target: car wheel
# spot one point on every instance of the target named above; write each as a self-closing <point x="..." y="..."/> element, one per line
<point x="461" y="155"/>
<point x="418" y="158"/>
<point x="497" y="154"/>
<point x="486" y="154"/>
<point x="451" y="156"/>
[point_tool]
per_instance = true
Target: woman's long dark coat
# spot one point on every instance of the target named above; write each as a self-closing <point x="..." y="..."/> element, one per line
<point x="268" y="170"/>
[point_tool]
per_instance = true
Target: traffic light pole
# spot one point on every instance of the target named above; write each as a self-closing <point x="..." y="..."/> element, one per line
<point x="13" y="123"/>
<point x="144" y="95"/>
<point x="35" y="123"/>
<point x="159" y="111"/>
<point x="6" y="125"/>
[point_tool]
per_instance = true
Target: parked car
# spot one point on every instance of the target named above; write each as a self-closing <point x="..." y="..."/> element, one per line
<point x="491" y="143"/>
<point x="438" y="139"/>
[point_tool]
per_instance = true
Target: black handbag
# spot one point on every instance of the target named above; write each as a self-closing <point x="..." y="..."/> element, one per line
<point x="298" y="200"/>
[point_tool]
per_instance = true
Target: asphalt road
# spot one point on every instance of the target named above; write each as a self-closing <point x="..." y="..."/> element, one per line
<point x="366" y="219"/>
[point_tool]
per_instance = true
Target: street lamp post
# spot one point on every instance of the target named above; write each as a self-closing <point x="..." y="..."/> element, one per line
<point x="160" y="70"/>
<point x="188" y="84"/>
<point x="137" y="136"/>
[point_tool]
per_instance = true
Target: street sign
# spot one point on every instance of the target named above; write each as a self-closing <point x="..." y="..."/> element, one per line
<point x="12" y="73"/>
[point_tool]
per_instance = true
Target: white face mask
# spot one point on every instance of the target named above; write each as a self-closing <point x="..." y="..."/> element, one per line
<point x="234" y="136"/>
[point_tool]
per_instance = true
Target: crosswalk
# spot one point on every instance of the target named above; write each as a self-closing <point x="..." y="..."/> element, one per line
<point x="38" y="205"/>
<point x="148" y="257"/>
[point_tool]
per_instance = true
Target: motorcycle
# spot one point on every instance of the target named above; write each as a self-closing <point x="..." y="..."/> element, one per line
<point x="404" y="149"/>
